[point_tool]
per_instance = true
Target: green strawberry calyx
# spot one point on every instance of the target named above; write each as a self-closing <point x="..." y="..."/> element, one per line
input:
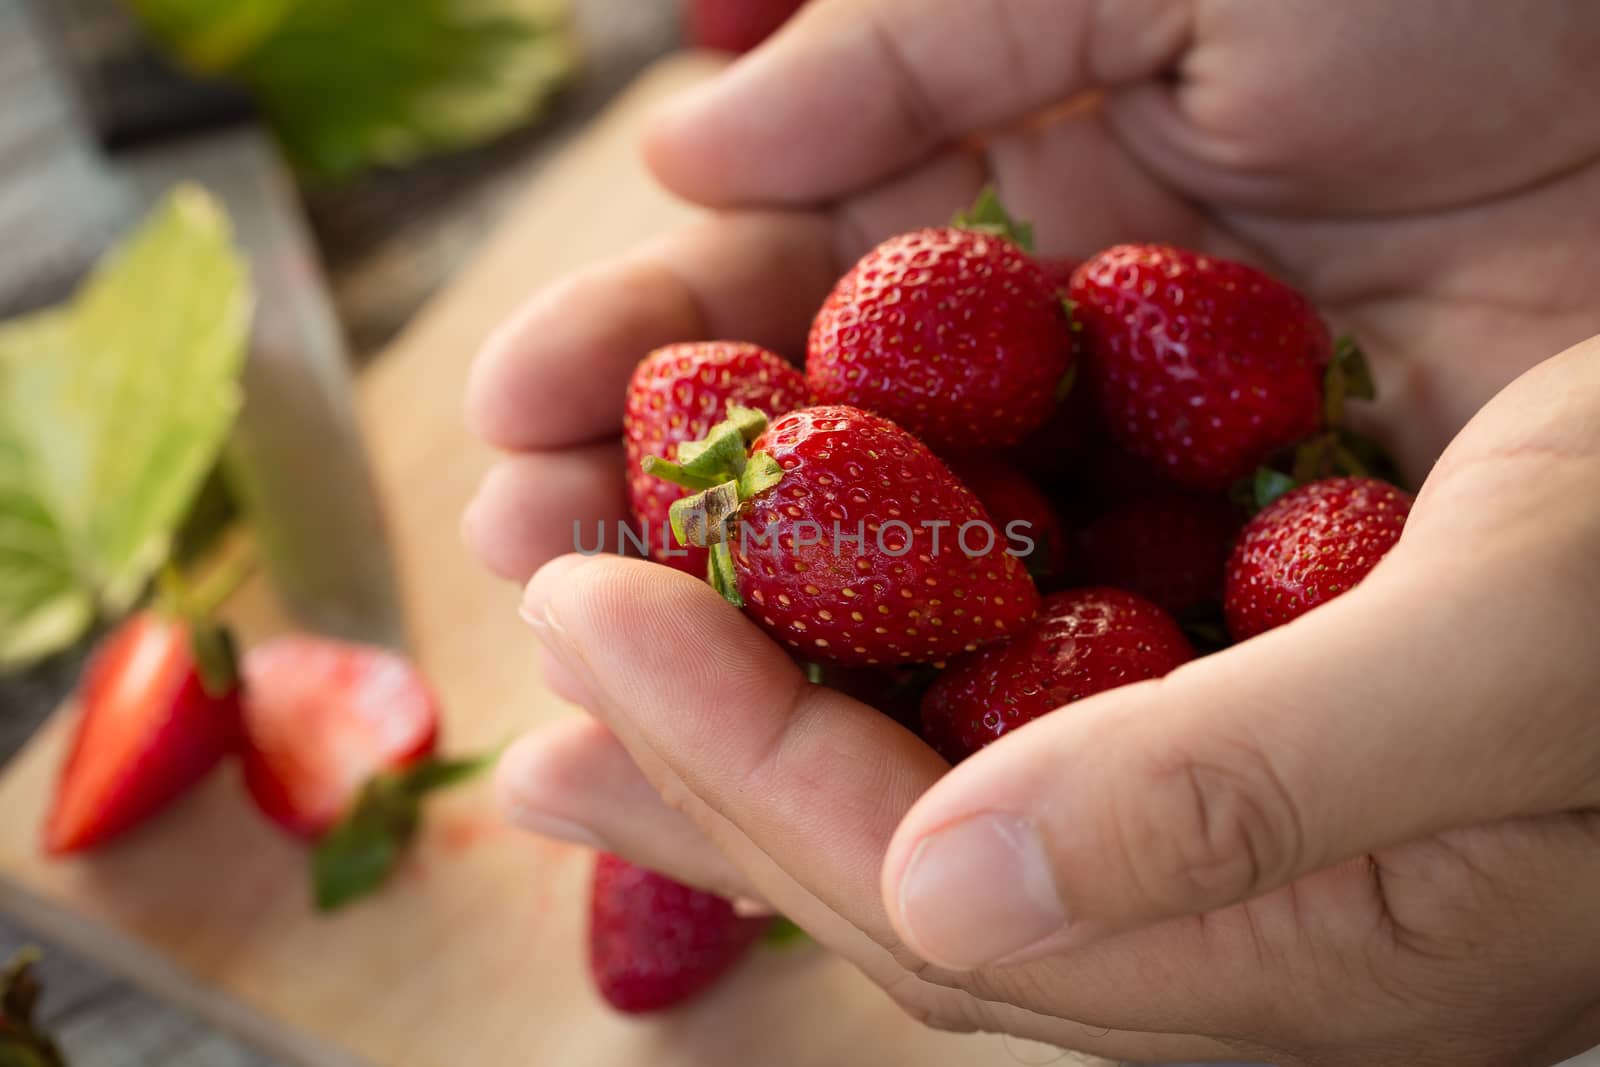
<point x="725" y="476"/>
<point x="360" y="853"/>
<point x="1334" y="451"/>
<point x="211" y="643"/>
<point x="22" y="1042"/>
<point x="988" y="215"/>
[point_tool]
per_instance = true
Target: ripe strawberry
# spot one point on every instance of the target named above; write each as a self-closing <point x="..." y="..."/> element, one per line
<point x="1171" y="548"/>
<point x="655" y="943"/>
<point x="956" y="334"/>
<point x="1060" y="272"/>
<point x="1016" y="504"/>
<point x="1307" y="547"/>
<point x="906" y="592"/>
<point x="1199" y="365"/>
<point x="339" y="743"/>
<point x="159" y="709"/>
<point x="1085" y="641"/>
<point x="737" y="25"/>
<point x="678" y="393"/>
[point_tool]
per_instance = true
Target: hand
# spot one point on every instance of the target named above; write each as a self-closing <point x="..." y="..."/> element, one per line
<point x="1472" y="946"/>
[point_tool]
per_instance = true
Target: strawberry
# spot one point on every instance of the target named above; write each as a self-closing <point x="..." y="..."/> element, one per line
<point x="1060" y="272"/>
<point x="159" y="709"/>
<point x="1307" y="547"/>
<point x="849" y="538"/>
<point x="1171" y="548"/>
<point x="655" y="943"/>
<point x="339" y="743"/>
<point x="1085" y="641"/>
<point x="956" y="334"/>
<point x="677" y="394"/>
<point x="737" y="25"/>
<point x="1199" y="365"/>
<point x="1016" y="504"/>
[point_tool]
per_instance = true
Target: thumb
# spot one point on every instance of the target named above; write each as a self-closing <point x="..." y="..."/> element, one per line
<point x="1389" y="714"/>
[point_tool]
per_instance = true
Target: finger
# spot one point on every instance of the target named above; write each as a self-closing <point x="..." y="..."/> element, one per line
<point x="853" y="91"/>
<point x="532" y="508"/>
<point x="802" y="788"/>
<point x="573" y="781"/>
<point x="1376" y="719"/>
<point x="554" y="375"/>
<point x="815" y="780"/>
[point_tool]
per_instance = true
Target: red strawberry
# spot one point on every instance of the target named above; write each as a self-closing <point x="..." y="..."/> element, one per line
<point x="655" y="943"/>
<point x="159" y="709"/>
<point x="895" y="691"/>
<point x="957" y="334"/>
<point x="906" y="592"/>
<point x="678" y="393"/>
<point x="1199" y="365"/>
<point x="737" y="25"/>
<point x="1085" y="641"/>
<point x="339" y="742"/>
<point x="1060" y="272"/>
<point x="1307" y="547"/>
<point x="1171" y="548"/>
<point x="1010" y="497"/>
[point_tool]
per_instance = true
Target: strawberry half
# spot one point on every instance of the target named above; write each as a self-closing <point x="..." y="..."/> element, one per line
<point x="956" y="334"/>
<point x="1199" y="365"/>
<point x="677" y="394"/>
<point x="1084" y="642"/>
<point x="1307" y="547"/>
<point x="845" y="538"/>
<point x="158" y="710"/>
<point x="655" y="943"/>
<point x="339" y="743"/>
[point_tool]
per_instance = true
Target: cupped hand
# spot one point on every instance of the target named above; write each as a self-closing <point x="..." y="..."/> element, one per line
<point x="1363" y="838"/>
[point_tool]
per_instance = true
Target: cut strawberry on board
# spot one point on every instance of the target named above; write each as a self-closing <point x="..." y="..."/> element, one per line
<point x="339" y="749"/>
<point x="158" y="710"/>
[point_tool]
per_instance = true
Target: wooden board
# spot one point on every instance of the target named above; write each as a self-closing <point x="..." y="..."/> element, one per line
<point x="475" y="955"/>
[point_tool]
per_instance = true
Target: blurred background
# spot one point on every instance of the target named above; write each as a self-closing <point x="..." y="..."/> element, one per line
<point x="358" y="151"/>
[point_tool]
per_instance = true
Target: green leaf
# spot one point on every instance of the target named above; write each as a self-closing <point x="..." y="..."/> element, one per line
<point x="362" y="851"/>
<point x="113" y="409"/>
<point x="348" y="84"/>
<point x="988" y="215"/>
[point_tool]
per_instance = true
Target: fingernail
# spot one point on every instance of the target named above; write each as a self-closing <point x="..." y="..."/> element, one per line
<point x="979" y="890"/>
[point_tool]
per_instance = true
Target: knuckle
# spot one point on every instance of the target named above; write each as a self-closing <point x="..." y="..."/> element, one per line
<point x="1211" y="828"/>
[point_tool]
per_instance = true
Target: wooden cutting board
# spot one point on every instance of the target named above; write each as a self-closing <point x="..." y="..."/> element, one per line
<point x="475" y="955"/>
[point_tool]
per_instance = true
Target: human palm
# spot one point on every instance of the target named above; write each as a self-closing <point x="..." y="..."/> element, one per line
<point x="1363" y="838"/>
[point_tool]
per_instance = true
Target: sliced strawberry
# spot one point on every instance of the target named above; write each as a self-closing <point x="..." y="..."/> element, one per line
<point x="339" y="749"/>
<point x="149" y="728"/>
<point x="655" y="943"/>
<point x="322" y="718"/>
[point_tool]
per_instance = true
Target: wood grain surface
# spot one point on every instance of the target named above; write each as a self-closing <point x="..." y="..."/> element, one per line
<point x="475" y="954"/>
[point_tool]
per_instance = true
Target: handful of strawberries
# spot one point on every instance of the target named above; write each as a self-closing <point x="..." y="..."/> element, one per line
<point x="1024" y="480"/>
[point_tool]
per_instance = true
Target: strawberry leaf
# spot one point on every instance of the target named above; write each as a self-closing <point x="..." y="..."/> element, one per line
<point x="22" y="1042"/>
<point x="346" y="84"/>
<point x="988" y="215"/>
<point x="363" y="850"/>
<point x="1269" y="485"/>
<point x="1349" y="377"/>
<point x="721" y="575"/>
<point x="113" y="410"/>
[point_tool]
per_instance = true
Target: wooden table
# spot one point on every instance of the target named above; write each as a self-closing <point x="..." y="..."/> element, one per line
<point x="389" y="241"/>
